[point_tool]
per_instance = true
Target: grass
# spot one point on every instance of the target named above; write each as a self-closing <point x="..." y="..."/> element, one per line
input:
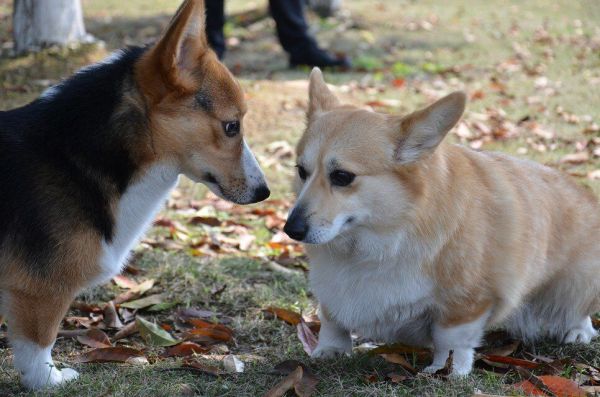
<point x="535" y="60"/>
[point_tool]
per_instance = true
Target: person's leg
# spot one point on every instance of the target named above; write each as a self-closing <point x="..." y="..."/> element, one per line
<point x="295" y="38"/>
<point x="215" y="19"/>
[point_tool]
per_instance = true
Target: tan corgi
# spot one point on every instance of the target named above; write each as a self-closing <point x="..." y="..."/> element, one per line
<point x="414" y="240"/>
<point x="85" y="167"/>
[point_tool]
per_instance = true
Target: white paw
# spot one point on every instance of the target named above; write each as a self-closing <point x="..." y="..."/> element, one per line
<point x="48" y="378"/>
<point x="325" y="352"/>
<point x="583" y="333"/>
<point x="68" y="374"/>
<point x="432" y="369"/>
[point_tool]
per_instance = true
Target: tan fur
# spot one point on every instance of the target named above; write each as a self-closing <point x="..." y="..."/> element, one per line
<point x="489" y="233"/>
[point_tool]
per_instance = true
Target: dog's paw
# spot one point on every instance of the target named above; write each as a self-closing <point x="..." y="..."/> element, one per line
<point x="582" y="333"/>
<point x="49" y="378"/>
<point x="68" y="374"/>
<point x="325" y="352"/>
<point x="432" y="369"/>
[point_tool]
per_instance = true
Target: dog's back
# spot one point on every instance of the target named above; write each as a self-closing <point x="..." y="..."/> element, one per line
<point x="63" y="158"/>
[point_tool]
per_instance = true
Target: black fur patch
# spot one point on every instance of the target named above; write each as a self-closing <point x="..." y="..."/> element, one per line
<point x="204" y="101"/>
<point x="64" y="157"/>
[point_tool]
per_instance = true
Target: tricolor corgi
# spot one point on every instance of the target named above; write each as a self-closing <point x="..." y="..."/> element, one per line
<point x="86" y="166"/>
<point x="415" y="240"/>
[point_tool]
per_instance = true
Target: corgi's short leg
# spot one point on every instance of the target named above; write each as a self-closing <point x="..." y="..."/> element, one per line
<point x="333" y="340"/>
<point x="33" y="324"/>
<point x="462" y="340"/>
<point x="581" y="332"/>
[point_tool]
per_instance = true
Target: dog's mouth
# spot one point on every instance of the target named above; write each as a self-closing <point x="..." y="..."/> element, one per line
<point x="236" y="195"/>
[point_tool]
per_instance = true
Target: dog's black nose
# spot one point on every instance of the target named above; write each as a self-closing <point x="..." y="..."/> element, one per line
<point x="296" y="226"/>
<point x="261" y="193"/>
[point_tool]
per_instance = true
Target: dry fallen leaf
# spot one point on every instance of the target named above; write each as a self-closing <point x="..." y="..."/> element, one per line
<point x="203" y="368"/>
<point x="290" y="317"/>
<point x="124" y="282"/>
<point x="185" y="349"/>
<point x="401" y="348"/>
<point x="286" y="384"/>
<point x="153" y="334"/>
<point x="111" y="318"/>
<point x="551" y="385"/>
<point x="144" y="302"/>
<point x="205" y="331"/>
<point x="505" y="362"/>
<point x="398" y="359"/>
<point x="94" y="338"/>
<point x="306" y="336"/>
<point x="233" y="364"/>
<point x="118" y="354"/>
<point x="126" y="331"/>
<point x="575" y="158"/>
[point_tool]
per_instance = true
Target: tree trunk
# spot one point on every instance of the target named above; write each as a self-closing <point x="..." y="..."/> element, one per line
<point x="40" y="23"/>
<point x="325" y="8"/>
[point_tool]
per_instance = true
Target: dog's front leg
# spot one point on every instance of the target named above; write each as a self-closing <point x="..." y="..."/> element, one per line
<point x="461" y="339"/>
<point x="333" y="340"/>
<point x="33" y="320"/>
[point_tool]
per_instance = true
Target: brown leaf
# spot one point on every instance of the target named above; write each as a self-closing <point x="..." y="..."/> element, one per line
<point x="505" y="362"/>
<point x="135" y="292"/>
<point x="307" y="384"/>
<point x="208" y="332"/>
<point x="84" y="322"/>
<point x="398" y="359"/>
<point x="118" y="354"/>
<point x="306" y="336"/>
<point x="94" y="338"/>
<point x="205" y="220"/>
<point x="290" y="317"/>
<point x="207" y="369"/>
<point x="71" y="333"/>
<point x="401" y="348"/>
<point x="504" y="350"/>
<point x="126" y="331"/>
<point x="124" y="281"/>
<point x="144" y="302"/>
<point x="286" y="367"/>
<point x="185" y="349"/>
<point x="575" y="158"/>
<point x="531" y="382"/>
<point x="85" y="307"/>
<point x="447" y="369"/>
<point x="286" y="384"/>
<point x="551" y="385"/>
<point x="111" y="318"/>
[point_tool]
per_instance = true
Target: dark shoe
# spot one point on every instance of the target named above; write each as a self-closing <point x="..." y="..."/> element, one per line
<point x="317" y="57"/>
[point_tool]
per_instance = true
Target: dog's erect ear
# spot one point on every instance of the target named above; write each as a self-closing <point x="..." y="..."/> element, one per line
<point x="320" y="98"/>
<point x="422" y="131"/>
<point x="178" y="53"/>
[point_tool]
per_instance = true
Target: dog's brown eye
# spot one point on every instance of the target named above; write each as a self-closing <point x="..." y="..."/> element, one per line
<point x="302" y="172"/>
<point x="231" y="128"/>
<point x="341" y="178"/>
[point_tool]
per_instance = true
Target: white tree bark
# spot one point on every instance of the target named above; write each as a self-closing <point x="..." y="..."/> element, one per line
<point x="325" y="8"/>
<point x="40" y="23"/>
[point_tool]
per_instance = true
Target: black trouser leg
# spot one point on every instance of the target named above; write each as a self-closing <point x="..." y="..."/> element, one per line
<point x="292" y="28"/>
<point x="215" y="19"/>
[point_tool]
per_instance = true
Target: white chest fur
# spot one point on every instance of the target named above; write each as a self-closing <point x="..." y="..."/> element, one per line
<point x="135" y="211"/>
<point x="376" y="289"/>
